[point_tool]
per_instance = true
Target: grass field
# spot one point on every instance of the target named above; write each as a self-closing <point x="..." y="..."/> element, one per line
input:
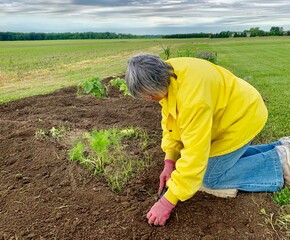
<point x="37" y="67"/>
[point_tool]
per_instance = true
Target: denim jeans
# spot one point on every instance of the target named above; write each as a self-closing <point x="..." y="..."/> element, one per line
<point x="255" y="168"/>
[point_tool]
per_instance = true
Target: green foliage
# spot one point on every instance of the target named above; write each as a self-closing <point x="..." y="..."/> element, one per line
<point x="18" y="36"/>
<point x="283" y="219"/>
<point x="40" y="134"/>
<point x="269" y="218"/>
<point x="99" y="141"/>
<point x="166" y="51"/>
<point x="105" y="152"/>
<point x="209" y="56"/>
<point x="120" y="83"/>
<point x="277" y="31"/>
<point x="77" y="152"/>
<point x="282" y="197"/>
<point x="57" y="132"/>
<point x="94" y="86"/>
<point x="54" y="132"/>
<point x="279" y="220"/>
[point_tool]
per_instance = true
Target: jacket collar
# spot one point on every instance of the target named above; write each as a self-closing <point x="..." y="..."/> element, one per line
<point x="170" y="100"/>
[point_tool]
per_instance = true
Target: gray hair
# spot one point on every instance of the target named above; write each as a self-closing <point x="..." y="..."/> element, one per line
<point x="148" y="74"/>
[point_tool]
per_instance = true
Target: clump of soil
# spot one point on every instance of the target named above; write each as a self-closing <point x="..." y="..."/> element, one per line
<point x="44" y="196"/>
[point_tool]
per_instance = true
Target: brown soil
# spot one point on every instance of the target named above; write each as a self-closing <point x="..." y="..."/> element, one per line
<point x="44" y="196"/>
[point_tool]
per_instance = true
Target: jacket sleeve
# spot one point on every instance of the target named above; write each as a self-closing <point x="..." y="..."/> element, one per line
<point x="195" y="124"/>
<point x="170" y="146"/>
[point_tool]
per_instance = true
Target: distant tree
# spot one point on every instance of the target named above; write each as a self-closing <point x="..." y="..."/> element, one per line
<point x="276" y="31"/>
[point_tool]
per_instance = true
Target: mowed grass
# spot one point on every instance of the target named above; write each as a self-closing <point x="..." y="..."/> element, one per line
<point x="37" y="67"/>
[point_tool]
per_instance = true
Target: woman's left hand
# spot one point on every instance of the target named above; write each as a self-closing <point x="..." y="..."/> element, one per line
<point x="160" y="212"/>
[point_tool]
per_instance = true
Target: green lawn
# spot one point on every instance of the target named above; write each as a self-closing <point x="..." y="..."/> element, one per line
<point x="37" y="67"/>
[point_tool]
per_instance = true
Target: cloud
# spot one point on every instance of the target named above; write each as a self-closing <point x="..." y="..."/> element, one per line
<point x="84" y="15"/>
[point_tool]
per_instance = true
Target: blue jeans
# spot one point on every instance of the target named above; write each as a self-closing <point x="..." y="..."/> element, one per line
<point x="250" y="168"/>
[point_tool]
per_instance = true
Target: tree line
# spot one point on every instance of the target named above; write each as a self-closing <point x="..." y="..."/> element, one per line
<point x="253" y="32"/>
<point x="18" y="36"/>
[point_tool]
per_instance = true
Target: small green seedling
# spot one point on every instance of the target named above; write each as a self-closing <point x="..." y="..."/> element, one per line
<point x="282" y="197"/>
<point x="94" y="86"/>
<point x="40" y="134"/>
<point x="57" y="132"/>
<point x="120" y="83"/>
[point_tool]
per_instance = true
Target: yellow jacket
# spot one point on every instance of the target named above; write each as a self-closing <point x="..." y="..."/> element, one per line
<point x="208" y="112"/>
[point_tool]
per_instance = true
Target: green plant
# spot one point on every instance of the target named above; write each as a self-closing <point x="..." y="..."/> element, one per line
<point x="283" y="219"/>
<point x="269" y="218"/>
<point x="282" y="197"/>
<point x="209" y="56"/>
<point x="94" y="86"/>
<point x="108" y="153"/>
<point x="120" y="83"/>
<point x="166" y="51"/>
<point x="57" y="132"/>
<point x="280" y="220"/>
<point x="40" y="134"/>
<point x="77" y="152"/>
<point x="114" y="182"/>
<point x="53" y="132"/>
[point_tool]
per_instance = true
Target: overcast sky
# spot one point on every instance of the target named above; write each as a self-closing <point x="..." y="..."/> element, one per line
<point x="142" y="16"/>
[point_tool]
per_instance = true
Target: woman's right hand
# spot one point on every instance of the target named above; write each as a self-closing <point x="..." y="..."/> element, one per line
<point x="165" y="174"/>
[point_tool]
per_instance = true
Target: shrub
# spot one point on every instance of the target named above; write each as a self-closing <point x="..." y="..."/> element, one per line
<point x="209" y="56"/>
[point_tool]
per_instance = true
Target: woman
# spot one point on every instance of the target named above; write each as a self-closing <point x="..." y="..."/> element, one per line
<point x="209" y="118"/>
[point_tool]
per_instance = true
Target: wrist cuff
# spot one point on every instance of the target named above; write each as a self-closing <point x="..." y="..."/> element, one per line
<point x="172" y="154"/>
<point x="170" y="197"/>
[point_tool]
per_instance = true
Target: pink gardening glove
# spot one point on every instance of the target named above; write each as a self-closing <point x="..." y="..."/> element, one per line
<point x="166" y="173"/>
<point x="160" y="212"/>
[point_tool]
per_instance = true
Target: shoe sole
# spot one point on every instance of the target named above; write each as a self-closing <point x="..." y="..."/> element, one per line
<point x="222" y="193"/>
<point x="285" y="141"/>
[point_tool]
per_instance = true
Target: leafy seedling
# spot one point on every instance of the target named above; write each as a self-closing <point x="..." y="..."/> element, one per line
<point x="94" y="86"/>
<point x="282" y="197"/>
<point x="120" y="83"/>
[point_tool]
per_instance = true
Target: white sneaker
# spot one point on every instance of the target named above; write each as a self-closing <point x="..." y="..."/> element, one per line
<point x="222" y="193"/>
<point x="284" y="154"/>
<point x="285" y="140"/>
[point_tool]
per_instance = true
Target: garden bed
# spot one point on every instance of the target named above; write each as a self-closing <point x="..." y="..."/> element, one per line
<point x="45" y="196"/>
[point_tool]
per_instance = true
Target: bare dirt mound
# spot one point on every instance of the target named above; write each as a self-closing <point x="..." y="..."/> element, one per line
<point x="44" y="196"/>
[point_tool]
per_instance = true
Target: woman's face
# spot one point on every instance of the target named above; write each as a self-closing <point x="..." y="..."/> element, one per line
<point x="151" y="97"/>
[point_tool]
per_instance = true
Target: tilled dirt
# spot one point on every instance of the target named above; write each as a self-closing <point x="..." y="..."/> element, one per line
<point x="44" y="196"/>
